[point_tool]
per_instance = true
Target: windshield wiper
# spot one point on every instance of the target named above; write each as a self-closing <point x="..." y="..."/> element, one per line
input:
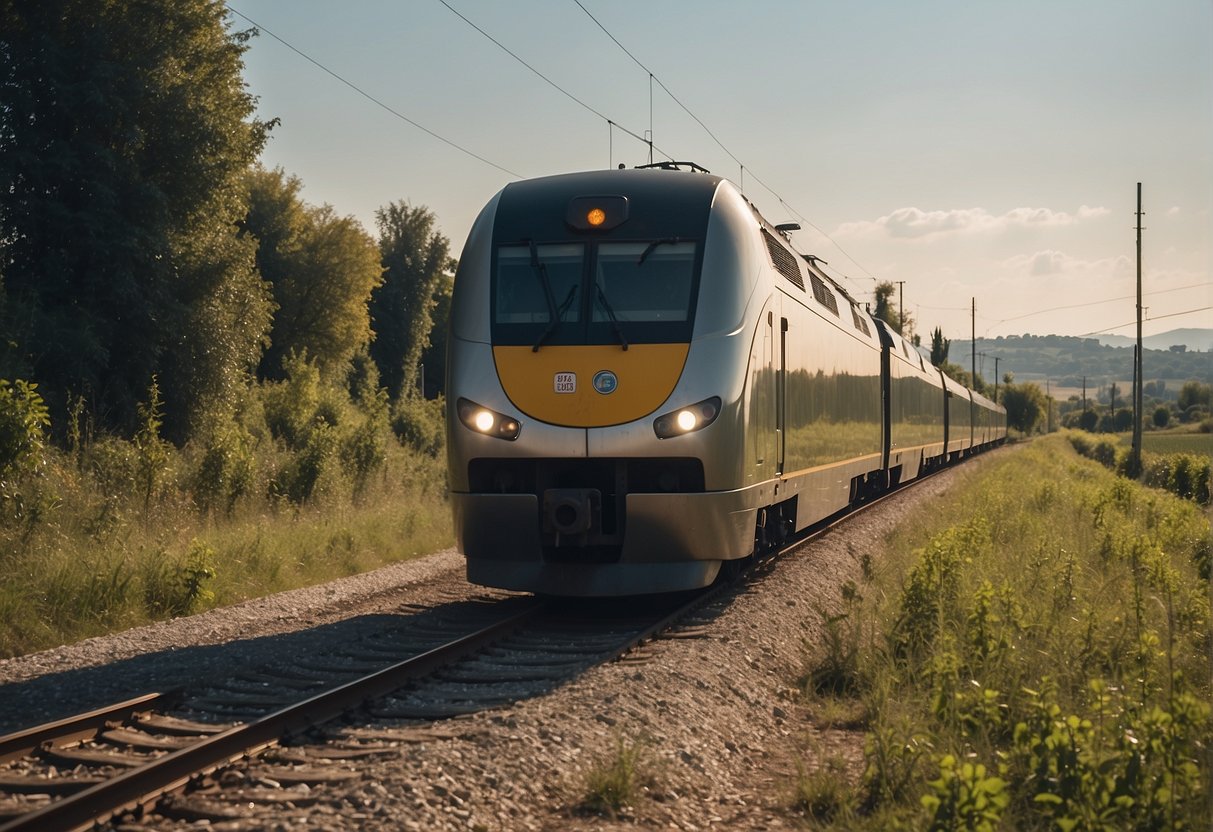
<point x="606" y="306"/>
<point x="541" y="272"/>
<point x="653" y="245"/>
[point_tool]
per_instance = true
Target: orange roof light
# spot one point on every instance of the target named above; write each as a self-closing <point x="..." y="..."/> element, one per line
<point x="595" y="217"/>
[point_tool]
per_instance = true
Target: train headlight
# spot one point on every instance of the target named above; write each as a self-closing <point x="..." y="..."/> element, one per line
<point x="488" y="422"/>
<point x="687" y="419"/>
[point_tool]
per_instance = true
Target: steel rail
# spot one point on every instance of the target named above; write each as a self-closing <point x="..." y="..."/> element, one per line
<point x="79" y="727"/>
<point x="173" y="771"/>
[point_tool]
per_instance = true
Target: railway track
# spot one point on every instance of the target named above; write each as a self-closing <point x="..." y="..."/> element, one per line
<point x="164" y="753"/>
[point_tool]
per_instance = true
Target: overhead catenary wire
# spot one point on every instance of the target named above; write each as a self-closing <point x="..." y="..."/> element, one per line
<point x="742" y="167"/>
<point x="370" y="97"/>
<point x="552" y="83"/>
<point x="1151" y="318"/>
<point x="1097" y="303"/>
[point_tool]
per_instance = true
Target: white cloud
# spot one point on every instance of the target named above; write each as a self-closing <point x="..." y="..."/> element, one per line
<point x="1173" y="211"/>
<point x="1050" y="262"/>
<point x="914" y="223"/>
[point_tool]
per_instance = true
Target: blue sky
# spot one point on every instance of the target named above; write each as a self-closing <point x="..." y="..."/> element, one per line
<point x="970" y="149"/>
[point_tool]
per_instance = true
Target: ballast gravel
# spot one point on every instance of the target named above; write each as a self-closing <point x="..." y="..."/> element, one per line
<point x="711" y="710"/>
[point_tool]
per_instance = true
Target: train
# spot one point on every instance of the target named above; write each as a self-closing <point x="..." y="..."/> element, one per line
<point x="648" y="385"/>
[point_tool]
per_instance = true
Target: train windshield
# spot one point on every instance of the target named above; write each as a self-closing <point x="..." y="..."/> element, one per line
<point x="644" y="281"/>
<point x="522" y="272"/>
<point x="594" y="293"/>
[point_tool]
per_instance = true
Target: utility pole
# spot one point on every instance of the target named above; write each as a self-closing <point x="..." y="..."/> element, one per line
<point x="1084" y="394"/>
<point x="1048" y="408"/>
<point x="1135" y="458"/>
<point x="973" y="338"/>
<point x="901" y="306"/>
<point x="996" y="360"/>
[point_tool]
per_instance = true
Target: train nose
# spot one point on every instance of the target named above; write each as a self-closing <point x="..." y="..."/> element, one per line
<point x="571" y="511"/>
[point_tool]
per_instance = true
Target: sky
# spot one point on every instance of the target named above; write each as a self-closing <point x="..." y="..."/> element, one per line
<point x="984" y="153"/>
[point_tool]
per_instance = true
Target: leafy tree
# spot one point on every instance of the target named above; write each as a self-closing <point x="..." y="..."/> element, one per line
<point x="415" y="256"/>
<point x="321" y="269"/>
<point x="939" y="347"/>
<point x="1088" y="421"/>
<point x="434" y="357"/>
<point x="1026" y="406"/>
<point x="124" y="130"/>
<point x="1162" y="416"/>
<point x="886" y="309"/>
<point x="1193" y="392"/>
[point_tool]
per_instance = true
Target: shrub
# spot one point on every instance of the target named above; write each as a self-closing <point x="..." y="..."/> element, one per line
<point x="419" y="423"/>
<point x="23" y="421"/>
<point x="226" y="470"/>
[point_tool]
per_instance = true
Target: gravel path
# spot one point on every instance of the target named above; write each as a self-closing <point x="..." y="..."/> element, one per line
<point x="720" y="729"/>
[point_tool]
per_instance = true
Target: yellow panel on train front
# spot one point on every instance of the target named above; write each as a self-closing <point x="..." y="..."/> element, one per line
<point x="589" y="386"/>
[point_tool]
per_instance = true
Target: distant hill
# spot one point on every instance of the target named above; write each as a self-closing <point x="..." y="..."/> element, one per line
<point x="1193" y="339"/>
<point x="1064" y="360"/>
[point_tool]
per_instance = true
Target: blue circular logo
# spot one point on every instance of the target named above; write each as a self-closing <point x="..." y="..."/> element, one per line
<point x="605" y="382"/>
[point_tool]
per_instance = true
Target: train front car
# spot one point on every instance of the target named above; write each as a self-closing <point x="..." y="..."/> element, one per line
<point x="591" y="449"/>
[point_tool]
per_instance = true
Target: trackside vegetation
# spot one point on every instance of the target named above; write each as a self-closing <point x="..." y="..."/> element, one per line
<point x="1035" y="654"/>
<point x="305" y="483"/>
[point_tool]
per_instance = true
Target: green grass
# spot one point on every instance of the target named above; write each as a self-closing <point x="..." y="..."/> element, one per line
<point x="88" y="557"/>
<point x="616" y="781"/>
<point x="1033" y="653"/>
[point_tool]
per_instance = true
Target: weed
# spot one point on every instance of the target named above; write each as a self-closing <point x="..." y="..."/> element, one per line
<point x="615" y="782"/>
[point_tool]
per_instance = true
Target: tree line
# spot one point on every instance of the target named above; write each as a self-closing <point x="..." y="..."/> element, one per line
<point x="143" y="246"/>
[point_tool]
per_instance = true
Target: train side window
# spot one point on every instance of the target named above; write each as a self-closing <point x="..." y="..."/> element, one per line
<point x="520" y="297"/>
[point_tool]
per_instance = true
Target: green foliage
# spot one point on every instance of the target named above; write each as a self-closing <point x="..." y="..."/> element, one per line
<point x="1161" y="417"/>
<point x="419" y="423"/>
<point x="321" y="269"/>
<point x="1026" y="406"/>
<point x="887" y="309"/>
<point x="23" y="423"/>
<point x="939" y="347"/>
<point x="414" y="257"/>
<point x="124" y="130"/>
<point x="822" y="795"/>
<point x="226" y="471"/>
<point x="965" y="798"/>
<point x="614" y="782"/>
<point x="1187" y="475"/>
<point x="182" y="588"/>
<point x="1045" y="651"/>
<point x="153" y="452"/>
<point x="1195" y="393"/>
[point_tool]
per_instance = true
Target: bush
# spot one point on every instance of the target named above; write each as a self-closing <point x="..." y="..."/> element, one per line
<point x="23" y="421"/>
<point x="419" y="423"/>
<point x="226" y="471"/>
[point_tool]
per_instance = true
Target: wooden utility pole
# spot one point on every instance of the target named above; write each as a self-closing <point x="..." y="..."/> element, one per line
<point x="996" y="360"/>
<point x="901" y="306"/>
<point x="1084" y="394"/>
<point x="973" y="338"/>
<point x="1135" y="453"/>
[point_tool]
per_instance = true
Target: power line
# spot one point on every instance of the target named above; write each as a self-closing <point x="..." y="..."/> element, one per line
<point x="548" y="80"/>
<point x="370" y="97"/>
<point x="1094" y="303"/>
<point x="730" y="153"/>
<point x="1151" y="318"/>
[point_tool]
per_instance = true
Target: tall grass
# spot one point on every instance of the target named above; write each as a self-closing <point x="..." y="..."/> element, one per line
<point x="1035" y="654"/>
<point x="305" y="485"/>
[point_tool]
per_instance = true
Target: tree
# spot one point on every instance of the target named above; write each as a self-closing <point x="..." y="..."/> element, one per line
<point x="124" y="130"/>
<point x="1162" y="416"/>
<point x="1088" y="421"/>
<point x="1026" y="406"/>
<point x="434" y="357"/>
<point x="939" y="347"/>
<point x="1194" y="393"/>
<point x="414" y="256"/>
<point x="321" y="269"/>
<point x="886" y="309"/>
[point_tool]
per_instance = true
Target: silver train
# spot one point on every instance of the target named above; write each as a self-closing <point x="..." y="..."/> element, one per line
<point x="647" y="384"/>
